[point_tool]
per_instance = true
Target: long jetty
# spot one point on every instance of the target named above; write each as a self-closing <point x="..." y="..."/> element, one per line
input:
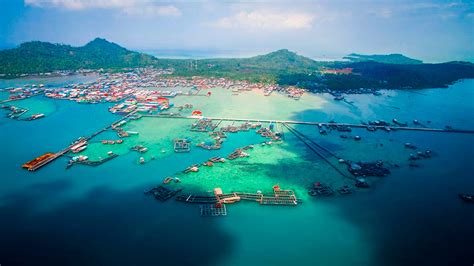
<point x="82" y="140"/>
<point x="311" y="123"/>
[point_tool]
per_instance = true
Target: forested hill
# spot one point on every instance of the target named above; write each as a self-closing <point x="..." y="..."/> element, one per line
<point x="39" y="57"/>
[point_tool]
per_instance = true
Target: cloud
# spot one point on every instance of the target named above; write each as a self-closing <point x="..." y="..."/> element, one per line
<point x="151" y="11"/>
<point x="264" y="20"/>
<point x="443" y="10"/>
<point x="141" y="8"/>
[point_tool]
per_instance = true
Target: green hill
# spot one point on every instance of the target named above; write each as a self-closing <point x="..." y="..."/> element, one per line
<point x="37" y="57"/>
<point x="387" y="59"/>
<point x="258" y="68"/>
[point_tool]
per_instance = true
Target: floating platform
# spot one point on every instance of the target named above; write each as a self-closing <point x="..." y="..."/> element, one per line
<point x="181" y="145"/>
<point x="211" y="210"/>
<point x="39" y="161"/>
<point x="321" y="190"/>
<point x="94" y="163"/>
<point x="280" y="200"/>
<point x="281" y="197"/>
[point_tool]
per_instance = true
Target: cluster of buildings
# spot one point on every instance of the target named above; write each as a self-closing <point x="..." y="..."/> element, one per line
<point x="24" y="92"/>
<point x="144" y="89"/>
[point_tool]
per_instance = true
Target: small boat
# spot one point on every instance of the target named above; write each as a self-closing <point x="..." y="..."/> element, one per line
<point x="344" y="190"/>
<point x="467" y="197"/>
<point x="410" y="146"/>
<point x="208" y="164"/>
<point x="361" y="183"/>
<point x="142" y="160"/>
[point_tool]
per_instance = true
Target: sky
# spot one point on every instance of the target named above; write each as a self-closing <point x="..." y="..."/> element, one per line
<point x="432" y="30"/>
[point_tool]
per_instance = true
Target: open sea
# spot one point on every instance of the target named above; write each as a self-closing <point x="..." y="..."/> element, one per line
<point x="100" y="215"/>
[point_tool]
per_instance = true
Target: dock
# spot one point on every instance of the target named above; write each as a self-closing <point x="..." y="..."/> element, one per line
<point x="41" y="161"/>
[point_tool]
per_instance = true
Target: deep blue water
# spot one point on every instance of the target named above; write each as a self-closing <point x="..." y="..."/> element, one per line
<point x="99" y="216"/>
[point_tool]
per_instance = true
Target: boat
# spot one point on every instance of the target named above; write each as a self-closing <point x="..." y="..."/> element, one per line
<point x="79" y="149"/>
<point x="361" y="183"/>
<point x="142" y="160"/>
<point x="35" y="116"/>
<point x="344" y="190"/>
<point x="467" y="197"/>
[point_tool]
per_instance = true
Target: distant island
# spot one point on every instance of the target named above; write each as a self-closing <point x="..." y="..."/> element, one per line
<point x="386" y="59"/>
<point x="358" y="74"/>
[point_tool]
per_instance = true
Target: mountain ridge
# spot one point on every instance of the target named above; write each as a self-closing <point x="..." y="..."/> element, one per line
<point x="383" y="58"/>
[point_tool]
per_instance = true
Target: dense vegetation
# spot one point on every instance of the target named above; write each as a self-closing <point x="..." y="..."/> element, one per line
<point x="258" y="68"/>
<point x="40" y="57"/>
<point x="284" y="67"/>
<point x="373" y="75"/>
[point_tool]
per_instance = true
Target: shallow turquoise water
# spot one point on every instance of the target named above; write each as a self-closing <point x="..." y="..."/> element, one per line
<point x="99" y="216"/>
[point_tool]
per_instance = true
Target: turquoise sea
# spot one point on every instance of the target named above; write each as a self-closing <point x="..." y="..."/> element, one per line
<point x="99" y="216"/>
